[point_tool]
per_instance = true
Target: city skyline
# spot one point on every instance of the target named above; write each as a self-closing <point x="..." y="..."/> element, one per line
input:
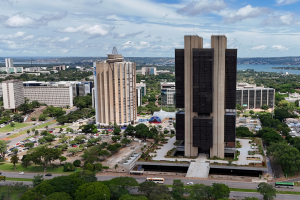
<point x="146" y="28"/>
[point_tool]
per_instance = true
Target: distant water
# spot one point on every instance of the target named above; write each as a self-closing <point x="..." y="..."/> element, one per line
<point x="268" y="68"/>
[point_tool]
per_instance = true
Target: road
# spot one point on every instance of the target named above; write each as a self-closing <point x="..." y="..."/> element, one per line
<point x="21" y="137"/>
<point x="168" y="180"/>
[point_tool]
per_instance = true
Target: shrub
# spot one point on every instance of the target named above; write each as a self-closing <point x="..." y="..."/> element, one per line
<point x="69" y="167"/>
<point x="33" y="119"/>
<point x="98" y="166"/>
<point x="77" y="163"/>
<point x="105" y="167"/>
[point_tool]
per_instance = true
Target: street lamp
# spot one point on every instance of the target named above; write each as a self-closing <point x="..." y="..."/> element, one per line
<point x="105" y="196"/>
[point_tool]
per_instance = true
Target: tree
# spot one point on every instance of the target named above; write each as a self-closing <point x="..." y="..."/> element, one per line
<point x="117" y="131"/>
<point x="28" y="131"/>
<point x="73" y="151"/>
<point x="3" y="147"/>
<point x="35" y="104"/>
<point x="42" y="117"/>
<point x="239" y="107"/>
<point x="271" y="136"/>
<point x="115" y="138"/>
<point x="31" y="194"/>
<point x="88" y="176"/>
<point x="125" y="141"/>
<point x="244" y="132"/>
<point x="36" y="132"/>
<point x="15" y="150"/>
<point x="18" y="118"/>
<point x="90" y="155"/>
<point x="103" y="154"/>
<point x="251" y="112"/>
<point x="38" y="179"/>
<point x="267" y="191"/>
<point x="62" y="159"/>
<point x="160" y="192"/>
<point x="147" y="187"/>
<point x="220" y="191"/>
<point x="29" y="144"/>
<point x="177" y="189"/>
<point x="128" y="197"/>
<point x="89" y="128"/>
<point x="14" y="159"/>
<point x="59" y="196"/>
<point x="199" y="191"/>
<point x="90" y="191"/>
<point x="129" y="130"/>
<point x="26" y="159"/>
<point x="33" y="129"/>
<point x="124" y="182"/>
<point x="112" y="148"/>
<point x="77" y="163"/>
<point x="43" y="156"/>
<point x="288" y="157"/>
<point x="24" y="108"/>
<point x="12" y="124"/>
<point x="264" y="107"/>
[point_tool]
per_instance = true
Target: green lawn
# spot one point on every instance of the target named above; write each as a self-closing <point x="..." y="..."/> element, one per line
<point x="64" y="126"/>
<point x="33" y="168"/>
<point x="253" y="190"/>
<point x="18" y="179"/>
<point x="45" y="124"/>
<point x="18" y="125"/>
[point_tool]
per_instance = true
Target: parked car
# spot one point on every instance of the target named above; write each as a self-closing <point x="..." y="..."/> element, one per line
<point x="190" y="183"/>
<point x="21" y="173"/>
<point x="48" y="174"/>
<point x="7" y="133"/>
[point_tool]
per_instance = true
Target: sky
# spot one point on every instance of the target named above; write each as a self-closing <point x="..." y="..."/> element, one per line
<point x="146" y="28"/>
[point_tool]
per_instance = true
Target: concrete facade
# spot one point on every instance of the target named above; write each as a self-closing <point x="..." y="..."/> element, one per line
<point x="140" y="92"/>
<point x="50" y="95"/>
<point x="167" y="94"/>
<point x="9" y="62"/>
<point x="59" y="67"/>
<point x="13" y="94"/>
<point x="115" y="91"/>
<point x="205" y="88"/>
<point x="149" y="71"/>
<point x="251" y="96"/>
<point x="190" y="42"/>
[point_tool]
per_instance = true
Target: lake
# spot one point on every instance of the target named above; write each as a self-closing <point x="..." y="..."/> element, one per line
<point x="268" y="68"/>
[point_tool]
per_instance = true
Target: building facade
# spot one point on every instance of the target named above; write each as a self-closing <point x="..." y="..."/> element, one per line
<point x="115" y="91"/>
<point x="9" y="62"/>
<point x="50" y="95"/>
<point x="205" y="88"/>
<point x="168" y="94"/>
<point x="59" y="67"/>
<point x="13" y="94"/>
<point x="252" y="97"/>
<point x="140" y="92"/>
<point x="149" y="71"/>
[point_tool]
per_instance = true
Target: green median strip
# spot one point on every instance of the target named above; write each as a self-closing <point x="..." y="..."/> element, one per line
<point x="253" y="190"/>
<point x="18" y="179"/>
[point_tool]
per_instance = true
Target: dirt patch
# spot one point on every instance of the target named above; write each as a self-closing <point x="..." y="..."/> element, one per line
<point x="36" y="113"/>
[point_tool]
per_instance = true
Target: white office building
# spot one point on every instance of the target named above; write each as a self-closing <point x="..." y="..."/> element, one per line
<point x="13" y="94"/>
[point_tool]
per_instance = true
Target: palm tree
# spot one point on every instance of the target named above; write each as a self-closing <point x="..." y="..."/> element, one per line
<point x="14" y="159"/>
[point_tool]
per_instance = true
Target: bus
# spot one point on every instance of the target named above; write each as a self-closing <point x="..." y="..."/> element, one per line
<point x="156" y="180"/>
<point x="284" y="185"/>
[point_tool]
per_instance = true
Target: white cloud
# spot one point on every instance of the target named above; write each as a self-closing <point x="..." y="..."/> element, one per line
<point x="64" y="39"/>
<point x="16" y="35"/>
<point x="280" y="47"/>
<point x="244" y="13"/>
<point x="113" y="17"/>
<point x="65" y="50"/>
<point x="79" y="41"/>
<point x="287" y="19"/>
<point x="19" y="21"/>
<point x="286" y="2"/>
<point x="202" y="7"/>
<point x="207" y="45"/>
<point x="96" y="30"/>
<point x="28" y="37"/>
<point x="259" y="47"/>
<point x="11" y="44"/>
<point x="126" y="35"/>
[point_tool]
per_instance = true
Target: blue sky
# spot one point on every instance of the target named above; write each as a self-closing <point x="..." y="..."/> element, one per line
<point x="146" y="28"/>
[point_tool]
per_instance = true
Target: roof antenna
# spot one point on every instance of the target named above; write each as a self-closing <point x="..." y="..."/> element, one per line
<point x="114" y="51"/>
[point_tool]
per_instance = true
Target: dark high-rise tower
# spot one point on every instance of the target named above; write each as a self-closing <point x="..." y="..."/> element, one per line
<point x="205" y="88"/>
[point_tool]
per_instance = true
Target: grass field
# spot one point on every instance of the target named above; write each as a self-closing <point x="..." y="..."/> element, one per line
<point x="45" y="124"/>
<point x="18" y="125"/>
<point x="64" y="126"/>
<point x="253" y="190"/>
<point x="33" y="168"/>
<point x="18" y="179"/>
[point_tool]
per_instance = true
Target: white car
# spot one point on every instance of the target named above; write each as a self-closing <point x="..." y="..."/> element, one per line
<point x="21" y="173"/>
<point x="190" y="183"/>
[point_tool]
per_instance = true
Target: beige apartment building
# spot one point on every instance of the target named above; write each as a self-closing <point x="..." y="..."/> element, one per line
<point x="115" y="90"/>
<point x="50" y="95"/>
<point x="13" y="95"/>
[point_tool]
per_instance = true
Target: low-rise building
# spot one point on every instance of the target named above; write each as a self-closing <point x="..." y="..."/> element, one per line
<point x="168" y="94"/>
<point x="251" y="96"/>
<point x="59" y="67"/>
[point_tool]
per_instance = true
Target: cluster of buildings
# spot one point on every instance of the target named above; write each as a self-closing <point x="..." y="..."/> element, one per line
<point x="152" y="71"/>
<point x="9" y="67"/>
<point x="58" y="94"/>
